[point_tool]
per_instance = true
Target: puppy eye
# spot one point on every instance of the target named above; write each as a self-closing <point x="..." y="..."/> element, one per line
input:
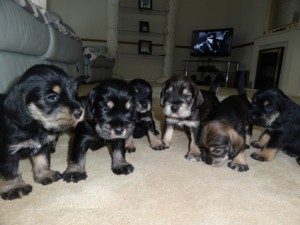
<point x="218" y="151"/>
<point x="268" y="107"/>
<point x="52" y="97"/>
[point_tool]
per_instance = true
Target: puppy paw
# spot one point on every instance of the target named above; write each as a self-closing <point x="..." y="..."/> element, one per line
<point x="48" y="177"/>
<point x="159" y="147"/>
<point x="238" y="167"/>
<point x="16" y="192"/>
<point x="255" y="144"/>
<point x="193" y="158"/>
<point x="130" y="149"/>
<point x="258" y="157"/>
<point x="74" y="176"/>
<point x="125" y="169"/>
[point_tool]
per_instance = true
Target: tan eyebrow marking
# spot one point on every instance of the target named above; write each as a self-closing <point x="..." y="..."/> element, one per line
<point x="128" y="105"/>
<point x="56" y="89"/>
<point x="110" y="104"/>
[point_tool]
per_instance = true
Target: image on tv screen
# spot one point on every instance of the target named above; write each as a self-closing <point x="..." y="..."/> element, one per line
<point x="212" y="42"/>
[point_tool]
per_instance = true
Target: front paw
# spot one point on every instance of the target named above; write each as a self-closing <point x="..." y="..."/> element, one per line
<point x="258" y="157"/>
<point x="48" y="177"/>
<point x="238" y="167"/>
<point x="159" y="147"/>
<point x="130" y="149"/>
<point x="17" y="192"/>
<point x="74" y="176"/>
<point x="123" y="169"/>
<point x="193" y="158"/>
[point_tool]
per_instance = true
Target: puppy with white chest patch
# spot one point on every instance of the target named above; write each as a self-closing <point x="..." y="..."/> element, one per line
<point x="225" y="135"/>
<point x="185" y="105"/>
<point x="38" y="107"/>
<point x="144" y="124"/>
<point x="280" y="117"/>
<point x="110" y="116"/>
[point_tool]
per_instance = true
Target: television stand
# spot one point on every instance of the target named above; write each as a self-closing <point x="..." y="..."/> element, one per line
<point x="204" y="66"/>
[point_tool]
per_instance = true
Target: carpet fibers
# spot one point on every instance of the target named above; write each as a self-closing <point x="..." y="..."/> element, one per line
<point x="164" y="189"/>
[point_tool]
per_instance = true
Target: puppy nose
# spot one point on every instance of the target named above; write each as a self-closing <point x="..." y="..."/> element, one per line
<point x="77" y="113"/>
<point x="145" y="104"/>
<point x="118" y="130"/>
<point x="174" y="108"/>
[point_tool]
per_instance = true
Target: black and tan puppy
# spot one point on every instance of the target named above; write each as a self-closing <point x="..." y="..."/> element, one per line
<point x="110" y="116"/>
<point x="226" y="134"/>
<point x="41" y="104"/>
<point x="185" y="105"/>
<point x="273" y="110"/>
<point x="144" y="124"/>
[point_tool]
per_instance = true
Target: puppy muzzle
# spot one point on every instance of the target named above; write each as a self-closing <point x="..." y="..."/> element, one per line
<point x="107" y="132"/>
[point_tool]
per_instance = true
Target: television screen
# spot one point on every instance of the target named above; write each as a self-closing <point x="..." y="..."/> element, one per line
<point x="213" y="42"/>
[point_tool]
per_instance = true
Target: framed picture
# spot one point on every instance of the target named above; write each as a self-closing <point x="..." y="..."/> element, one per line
<point x="145" y="4"/>
<point x="145" y="47"/>
<point x="144" y="26"/>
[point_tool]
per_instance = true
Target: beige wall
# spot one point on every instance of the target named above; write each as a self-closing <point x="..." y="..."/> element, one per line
<point x="86" y="17"/>
<point x="248" y="18"/>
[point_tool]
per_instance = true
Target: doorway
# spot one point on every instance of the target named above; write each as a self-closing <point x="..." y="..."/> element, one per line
<point x="268" y="67"/>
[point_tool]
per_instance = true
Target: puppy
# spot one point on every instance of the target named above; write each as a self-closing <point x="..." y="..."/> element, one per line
<point x="110" y="116"/>
<point x="41" y="104"/>
<point x="280" y="117"/>
<point x="144" y="124"/>
<point x="184" y="105"/>
<point x="225" y="135"/>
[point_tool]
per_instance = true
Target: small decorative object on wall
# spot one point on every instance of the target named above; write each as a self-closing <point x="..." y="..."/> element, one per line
<point x="145" y="47"/>
<point x="144" y="26"/>
<point x="145" y="4"/>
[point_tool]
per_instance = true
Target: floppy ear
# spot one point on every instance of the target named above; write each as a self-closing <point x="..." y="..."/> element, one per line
<point x="88" y="102"/>
<point x="236" y="142"/>
<point x="198" y="97"/>
<point x="202" y="133"/>
<point x="162" y="95"/>
<point x="15" y="107"/>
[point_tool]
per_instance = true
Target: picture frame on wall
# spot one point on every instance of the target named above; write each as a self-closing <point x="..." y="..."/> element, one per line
<point x="145" y="4"/>
<point x="144" y="26"/>
<point x="145" y="47"/>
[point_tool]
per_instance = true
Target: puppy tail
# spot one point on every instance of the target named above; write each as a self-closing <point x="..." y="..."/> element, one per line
<point x="215" y="84"/>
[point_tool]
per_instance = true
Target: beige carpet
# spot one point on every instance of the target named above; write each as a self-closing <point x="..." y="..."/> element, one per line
<point x="164" y="189"/>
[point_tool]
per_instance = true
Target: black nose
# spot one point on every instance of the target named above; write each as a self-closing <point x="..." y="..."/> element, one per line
<point x="252" y="116"/>
<point x="174" y="108"/>
<point x="77" y="113"/>
<point x="118" y="130"/>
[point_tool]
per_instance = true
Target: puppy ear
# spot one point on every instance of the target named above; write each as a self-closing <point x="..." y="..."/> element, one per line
<point x="236" y="142"/>
<point x="15" y="106"/>
<point x="162" y="95"/>
<point x="88" y="102"/>
<point x="198" y="100"/>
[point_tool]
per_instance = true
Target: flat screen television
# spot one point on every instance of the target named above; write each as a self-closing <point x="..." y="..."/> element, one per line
<point x="212" y="42"/>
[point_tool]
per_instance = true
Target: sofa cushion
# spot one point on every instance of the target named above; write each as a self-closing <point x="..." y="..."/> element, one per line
<point x="22" y="33"/>
<point x="62" y="47"/>
<point x="12" y="66"/>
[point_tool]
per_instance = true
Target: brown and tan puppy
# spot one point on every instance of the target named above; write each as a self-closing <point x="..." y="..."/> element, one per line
<point x="185" y="105"/>
<point x="226" y="134"/>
